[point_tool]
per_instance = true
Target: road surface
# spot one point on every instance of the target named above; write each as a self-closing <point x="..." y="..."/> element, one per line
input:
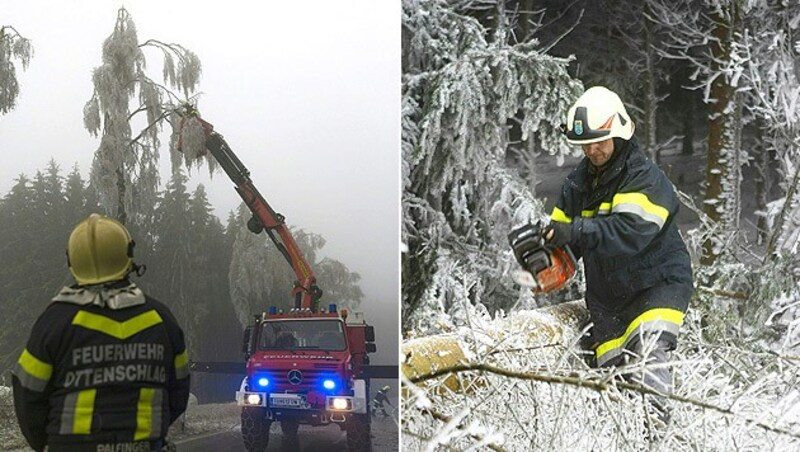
<point x="328" y="438"/>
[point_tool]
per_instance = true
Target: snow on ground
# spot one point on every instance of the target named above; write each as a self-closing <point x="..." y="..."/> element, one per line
<point x="730" y="395"/>
<point x="199" y="419"/>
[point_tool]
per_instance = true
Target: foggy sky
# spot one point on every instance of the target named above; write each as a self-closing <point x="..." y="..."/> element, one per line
<point x="307" y="96"/>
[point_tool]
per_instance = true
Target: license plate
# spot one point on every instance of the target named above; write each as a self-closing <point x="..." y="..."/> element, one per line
<point x="287" y="401"/>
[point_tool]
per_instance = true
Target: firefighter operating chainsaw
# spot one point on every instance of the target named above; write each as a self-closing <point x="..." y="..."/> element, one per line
<point x="307" y="365"/>
<point x="617" y="211"/>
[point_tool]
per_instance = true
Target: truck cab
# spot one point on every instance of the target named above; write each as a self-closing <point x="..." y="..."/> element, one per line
<point x="306" y="367"/>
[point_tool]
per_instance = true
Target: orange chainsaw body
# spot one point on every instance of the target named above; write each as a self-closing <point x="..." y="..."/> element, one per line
<point x="559" y="272"/>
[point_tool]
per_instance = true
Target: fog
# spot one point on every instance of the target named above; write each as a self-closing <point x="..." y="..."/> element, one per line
<point x="308" y="98"/>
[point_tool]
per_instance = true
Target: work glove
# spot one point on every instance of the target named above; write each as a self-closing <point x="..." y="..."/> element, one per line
<point x="557" y="234"/>
<point x="523" y="241"/>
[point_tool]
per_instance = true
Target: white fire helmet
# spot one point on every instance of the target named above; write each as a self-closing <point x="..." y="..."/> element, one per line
<point x="597" y="116"/>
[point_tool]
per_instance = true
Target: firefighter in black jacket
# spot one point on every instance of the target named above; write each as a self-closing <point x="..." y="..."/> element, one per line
<point x="105" y="367"/>
<point x="617" y="210"/>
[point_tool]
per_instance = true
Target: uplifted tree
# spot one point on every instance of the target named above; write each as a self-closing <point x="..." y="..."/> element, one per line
<point x="13" y="48"/>
<point x="462" y="86"/>
<point x="125" y="165"/>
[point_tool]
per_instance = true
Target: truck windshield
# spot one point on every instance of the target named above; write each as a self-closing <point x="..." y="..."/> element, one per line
<point x="303" y="335"/>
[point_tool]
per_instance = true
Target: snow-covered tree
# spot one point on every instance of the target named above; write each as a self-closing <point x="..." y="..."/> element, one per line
<point x="769" y="48"/>
<point x="261" y="277"/>
<point x="14" y="48"/>
<point x="125" y="98"/>
<point x="462" y="86"/>
<point x="707" y="37"/>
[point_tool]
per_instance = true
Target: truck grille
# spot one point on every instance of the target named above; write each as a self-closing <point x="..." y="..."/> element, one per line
<point x="300" y="379"/>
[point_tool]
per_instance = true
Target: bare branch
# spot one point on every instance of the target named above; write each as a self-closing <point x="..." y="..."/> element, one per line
<point x="599" y="386"/>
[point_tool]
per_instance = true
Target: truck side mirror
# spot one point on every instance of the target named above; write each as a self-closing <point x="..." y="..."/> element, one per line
<point x="246" y="342"/>
<point x="369" y="333"/>
<point x="371" y="347"/>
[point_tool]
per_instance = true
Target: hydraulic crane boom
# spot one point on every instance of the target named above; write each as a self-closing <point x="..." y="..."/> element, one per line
<point x="306" y="293"/>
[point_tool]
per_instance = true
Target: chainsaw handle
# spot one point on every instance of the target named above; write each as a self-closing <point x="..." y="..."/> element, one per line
<point x="529" y="246"/>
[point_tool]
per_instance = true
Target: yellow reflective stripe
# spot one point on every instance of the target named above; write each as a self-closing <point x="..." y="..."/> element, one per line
<point x="144" y="414"/>
<point x="181" y="364"/>
<point x="640" y="200"/>
<point x="119" y="330"/>
<point x="84" y="408"/>
<point x="602" y="209"/>
<point x="182" y="359"/>
<point x="35" y="366"/>
<point x="559" y="216"/>
<point x="665" y="314"/>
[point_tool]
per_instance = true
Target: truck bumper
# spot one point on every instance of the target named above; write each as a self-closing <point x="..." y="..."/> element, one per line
<point x="335" y="405"/>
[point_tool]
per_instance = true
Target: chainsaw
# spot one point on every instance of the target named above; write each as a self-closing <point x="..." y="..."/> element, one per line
<point x="546" y="268"/>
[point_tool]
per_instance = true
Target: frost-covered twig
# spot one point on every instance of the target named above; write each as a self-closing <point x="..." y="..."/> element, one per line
<point x="599" y="386"/>
<point x="725" y="293"/>
<point x="448" y="419"/>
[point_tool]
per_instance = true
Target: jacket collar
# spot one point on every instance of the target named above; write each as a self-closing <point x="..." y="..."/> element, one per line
<point x="118" y="295"/>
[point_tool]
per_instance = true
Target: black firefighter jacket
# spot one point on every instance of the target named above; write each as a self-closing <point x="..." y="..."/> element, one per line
<point x="638" y="272"/>
<point x="101" y="367"/>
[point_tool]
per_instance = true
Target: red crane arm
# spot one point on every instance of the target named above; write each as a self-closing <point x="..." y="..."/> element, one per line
<point x="306" y="293"/>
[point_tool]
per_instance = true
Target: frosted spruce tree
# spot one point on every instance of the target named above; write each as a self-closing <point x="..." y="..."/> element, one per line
<point x="261" y="277"/>
<point x="128" y="110"/>
<point x="707" y="36"/>
<point x="769" y="49"/>
<point x="14" y="48"/>
<point x="462" y="86"/>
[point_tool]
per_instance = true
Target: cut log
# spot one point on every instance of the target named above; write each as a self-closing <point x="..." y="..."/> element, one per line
<point x="529" y="330"/>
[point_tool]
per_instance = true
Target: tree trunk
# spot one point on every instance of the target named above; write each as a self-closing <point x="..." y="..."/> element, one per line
<point x="720" y="121"/>
<point x="650" y="100"/>
<point x="525" y="20"/>
<point x="533" y="331"/>
<point x="687" y="147"/>
<point x="761" y="167"/>
<point x="122" y="215"/>
<point x="735" y="181"/>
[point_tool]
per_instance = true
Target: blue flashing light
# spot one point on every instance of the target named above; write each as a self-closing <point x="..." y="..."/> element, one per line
<point x="273" y="310"/>
<point x="329" y="384"/>
<point x="263" y="382"/>
<point x="332" y="307"/>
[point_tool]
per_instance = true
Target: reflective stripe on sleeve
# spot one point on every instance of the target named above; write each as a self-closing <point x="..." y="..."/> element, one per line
<point x="604" y="209"/>
<point x="119" y="330"/>
<point x="559" y="216"/>
<point x="148" y="414"/>
<point x="76" y="417"/>
<point x="640" y="205"/>
<point x="182" y="365"/>
<point x="652" y="321"/>
<point x="32" y="372"/>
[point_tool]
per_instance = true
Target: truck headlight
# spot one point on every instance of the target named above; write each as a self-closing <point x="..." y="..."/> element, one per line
<point x="340" y="403"/>
<point x="253" y="399"/>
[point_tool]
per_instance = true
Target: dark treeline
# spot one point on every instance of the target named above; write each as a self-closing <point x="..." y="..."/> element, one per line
<point x="185" y="247"/>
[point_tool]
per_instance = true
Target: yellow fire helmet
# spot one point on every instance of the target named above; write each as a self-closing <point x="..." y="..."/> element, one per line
<point x="100" y="250"/>
<point x="598" y="115"/>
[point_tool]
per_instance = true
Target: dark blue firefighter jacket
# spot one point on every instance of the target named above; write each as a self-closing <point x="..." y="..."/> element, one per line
<point x="623" y="226"/>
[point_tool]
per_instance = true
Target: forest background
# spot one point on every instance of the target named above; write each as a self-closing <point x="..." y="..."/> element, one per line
<point x="713" y="89"/>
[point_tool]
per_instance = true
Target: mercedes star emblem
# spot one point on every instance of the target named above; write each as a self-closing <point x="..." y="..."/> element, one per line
<point x="295" y="377"/>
